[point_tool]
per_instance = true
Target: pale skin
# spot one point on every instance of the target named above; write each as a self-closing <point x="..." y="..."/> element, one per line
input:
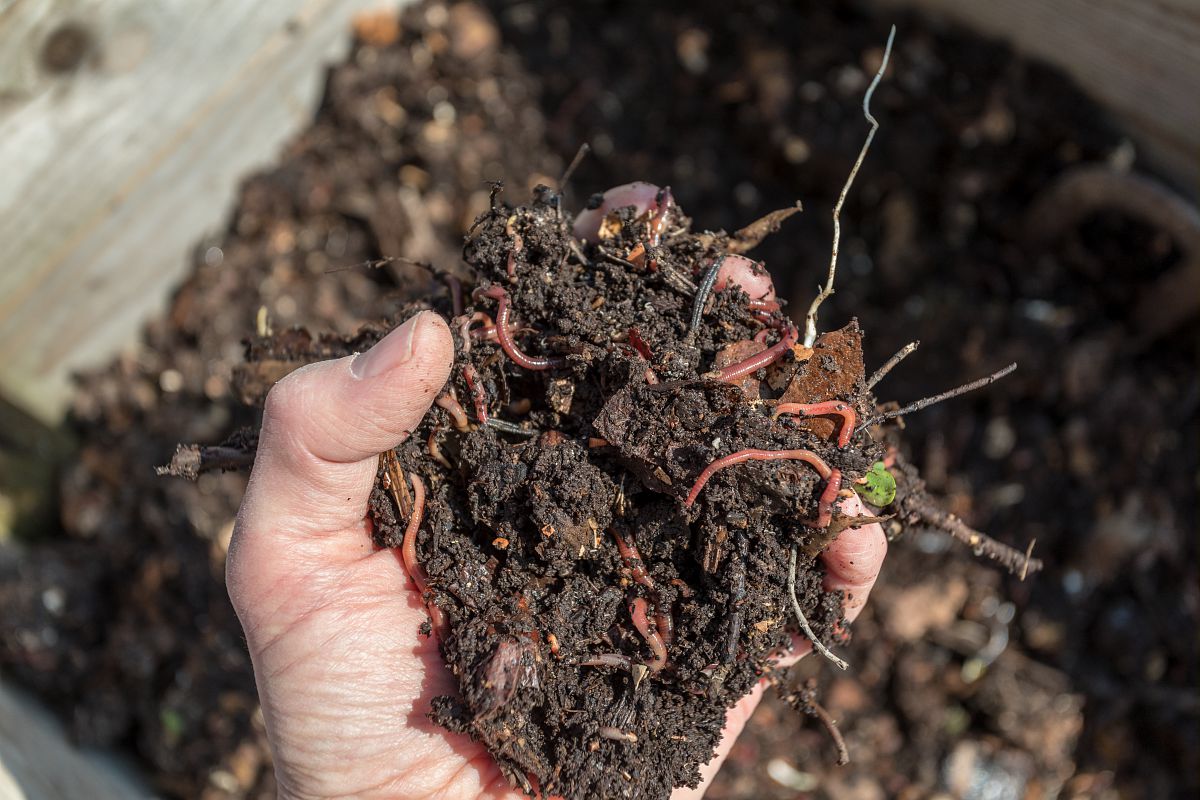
<point x="344" y="677"/>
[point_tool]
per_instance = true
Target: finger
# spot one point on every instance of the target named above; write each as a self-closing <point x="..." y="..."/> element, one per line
<point x="735" y="721"/>
<point x="853" y="560"/>
<point x="325" y="424"/>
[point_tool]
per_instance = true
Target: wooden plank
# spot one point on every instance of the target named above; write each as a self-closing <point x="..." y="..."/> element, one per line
<point x="37" y="763"/>
<point x="124" y="128"/>
<point x="1140" y="58"/>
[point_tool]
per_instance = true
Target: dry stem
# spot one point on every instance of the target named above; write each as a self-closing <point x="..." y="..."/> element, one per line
<point x="1016" y="562"/>
<point x="804" y="626"/>
<point x="810" y="322"/>
<point x="925" y="402"/>
<point x="810" y="706"/>
<point x="901" y="354"/>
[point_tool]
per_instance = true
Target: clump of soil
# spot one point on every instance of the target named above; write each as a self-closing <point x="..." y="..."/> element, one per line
<point x="604" y="376"/>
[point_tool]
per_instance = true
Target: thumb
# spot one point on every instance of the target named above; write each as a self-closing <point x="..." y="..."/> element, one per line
<point x="325" y="424"/>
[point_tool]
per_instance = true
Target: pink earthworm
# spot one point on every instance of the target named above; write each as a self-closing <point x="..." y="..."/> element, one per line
<point x="450" y="403"/>
<point x="746" y="366"/>
<point x="475" y="386"/>
<point x="751" y="454"/>
<point x="838" y="407"/>
<point x="638" y="612"/>
<point x="504" y="335"/>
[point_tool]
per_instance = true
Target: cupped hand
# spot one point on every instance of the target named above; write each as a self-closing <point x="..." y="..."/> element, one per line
<point x="343" y="676"/>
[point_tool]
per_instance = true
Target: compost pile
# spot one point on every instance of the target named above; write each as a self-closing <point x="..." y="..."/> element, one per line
<point x="963" y="680"/>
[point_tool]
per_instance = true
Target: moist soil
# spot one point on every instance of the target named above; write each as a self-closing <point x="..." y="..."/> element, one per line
<point x="1079" y="682"/>
<point x="600" y="622"/>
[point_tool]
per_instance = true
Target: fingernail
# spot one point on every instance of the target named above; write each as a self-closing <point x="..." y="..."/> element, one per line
<point x="391" y="351"/>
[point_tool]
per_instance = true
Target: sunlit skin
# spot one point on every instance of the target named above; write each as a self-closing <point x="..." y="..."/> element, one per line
<point x="749" y="275"/>
<point x="645" y="198"/>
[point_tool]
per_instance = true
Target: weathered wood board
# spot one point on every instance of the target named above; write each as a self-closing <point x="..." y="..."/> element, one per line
<point x="37" y="762"/>
<point x="125" y="126"/>
<point x="1139" y="58"/>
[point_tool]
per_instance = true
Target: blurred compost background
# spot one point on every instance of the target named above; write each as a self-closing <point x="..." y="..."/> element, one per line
<point x="167" y="169"/>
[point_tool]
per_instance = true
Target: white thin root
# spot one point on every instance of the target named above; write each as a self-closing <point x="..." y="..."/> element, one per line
<point x="804" y="626"/>
<point x="810" y="322"/>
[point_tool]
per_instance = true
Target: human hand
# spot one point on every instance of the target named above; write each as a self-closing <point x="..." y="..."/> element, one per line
<point x="343" y="676"/>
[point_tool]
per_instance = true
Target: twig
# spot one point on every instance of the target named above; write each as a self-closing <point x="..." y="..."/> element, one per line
<point x="926" y="402"/>
<point x="810" y="706"/>
<point x="192" y="460"/>
<point x="804" y="626"/>
<point x="378" y="263"/>
<point x="1016" y="562"/>
<point x="677" y="280"/>
<point x="901" y="354"/>
<point x="580" y="154"/>
<point x="810" y="321"/>
<point x="752" y="235"/>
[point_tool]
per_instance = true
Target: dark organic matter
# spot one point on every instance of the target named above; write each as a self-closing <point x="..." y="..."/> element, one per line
<point x="634" y="464"/>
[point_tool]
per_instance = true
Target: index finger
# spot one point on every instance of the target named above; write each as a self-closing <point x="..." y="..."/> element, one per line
<point x="854" y="558"/>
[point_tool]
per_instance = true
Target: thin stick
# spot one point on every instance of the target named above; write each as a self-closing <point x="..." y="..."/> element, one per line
<point x="804" y="626"/>
<point x="677" y="280"/>
<point x="1016" y="562"/>
<point x="582" y="152"/>
<point x="901" y="354"/>
<point x="192" y="460"/>
<point x="815" y="709"/>
<point x="810" y="322"/>
<point x="926" y="402"/>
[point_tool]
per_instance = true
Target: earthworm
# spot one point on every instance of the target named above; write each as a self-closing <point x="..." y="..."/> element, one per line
<point x="638" y="343"/>
<point x="504" y="335"/>
<point x="633" y="560"/>
<point x="435" y="448"/>
<point x="746" y="366"/>
<point x="450" y="403"/>
<point x="752" y="454"/>
<point x="518" y="243"/>
<point x="618" y="660"/>
<point x="408" y="547"/>
<point x="827" y="498"/>
<point x="408" y="551"/>
<point x="663" y="618"/>
<point x="658" y="222"/>
<point x="665" y="621"/>
<point x="617" y="735"/>
<point x="456" y="292"/>
<point x="488" y="332"/>
<point x="475" y="386"/>
<point x="838" y="407"/>
<point x="764" y="306"/>
<point x="761" y="336"/>
<point x="638" y="613"/>
<point x="464" y="327"/>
